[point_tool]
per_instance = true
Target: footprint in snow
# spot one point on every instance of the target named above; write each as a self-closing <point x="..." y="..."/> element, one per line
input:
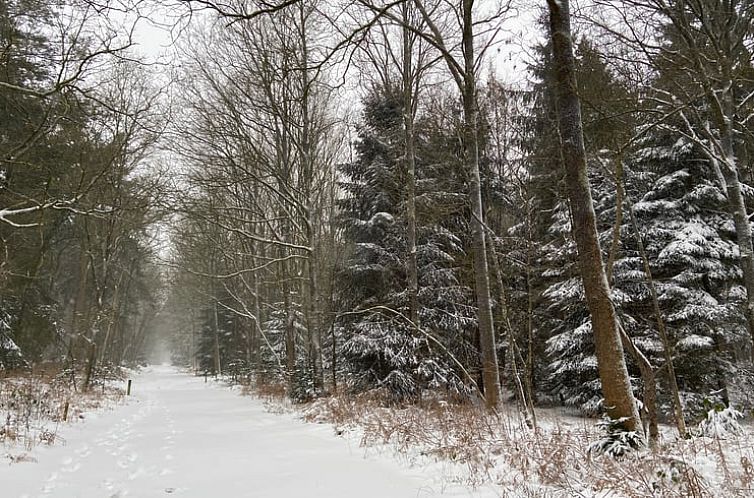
<point x="50" y="486"/>
<point x="138" y="473"/>
<point x="83" y="452"/>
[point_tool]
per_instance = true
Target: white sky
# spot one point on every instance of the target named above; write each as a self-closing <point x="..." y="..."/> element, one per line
<point x="162" y="23"/>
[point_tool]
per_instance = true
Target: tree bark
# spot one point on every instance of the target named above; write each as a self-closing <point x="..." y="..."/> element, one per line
<point x="408" y="130"/>
<point x="616" y="385"/>
<point x="218" y="364"/>
<point x="488" y="350"/>
<point x="307" y="157"/>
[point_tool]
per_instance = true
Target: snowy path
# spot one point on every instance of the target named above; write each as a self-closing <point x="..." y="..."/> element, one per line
<point x="181" y="437"/>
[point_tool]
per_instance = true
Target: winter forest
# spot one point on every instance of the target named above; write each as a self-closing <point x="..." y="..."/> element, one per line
<point x="512" y="236"/>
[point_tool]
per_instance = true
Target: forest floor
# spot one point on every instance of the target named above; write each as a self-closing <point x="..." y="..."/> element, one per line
<point x="179" y="436"/>
<point x="500" y="452"/>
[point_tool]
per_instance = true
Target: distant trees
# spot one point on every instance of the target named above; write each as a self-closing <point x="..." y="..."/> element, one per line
<point x="466" y="232"/>
<point x="77" y="121"/>
<point x="259" y="138"/>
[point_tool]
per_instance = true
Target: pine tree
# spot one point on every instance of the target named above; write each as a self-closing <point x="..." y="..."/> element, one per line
<point x="690" y="242"/>
<point x="562" y="318"/>
<point x="382" y="348"/>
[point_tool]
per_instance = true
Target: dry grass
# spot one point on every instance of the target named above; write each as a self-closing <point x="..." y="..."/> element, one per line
<point x="34" y="403"/>
<point x="477" y="447"/>
<point x="552" y="461"/>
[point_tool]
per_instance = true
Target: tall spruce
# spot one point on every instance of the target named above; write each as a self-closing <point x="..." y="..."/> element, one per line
<point x="382" y="347"/>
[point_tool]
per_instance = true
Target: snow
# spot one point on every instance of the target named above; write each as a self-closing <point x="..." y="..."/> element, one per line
<point x="7" y="344"/>
<point x="180" y="436"/>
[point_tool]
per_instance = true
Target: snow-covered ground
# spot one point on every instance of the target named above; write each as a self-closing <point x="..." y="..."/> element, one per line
<point x="180" y="436"/>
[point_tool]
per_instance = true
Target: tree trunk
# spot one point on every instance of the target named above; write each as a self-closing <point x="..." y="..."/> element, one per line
<point x="488" y="350"/>
<point x="737" y="207"/>
<point x="313" y="307"/>
<point x="90" y="366"/>
<point x="290" y="329"/>
<point x="725" y="119"/>
<point x="526" y="407"/>
<point x="257" y="322"/>
<point x="218" y="364"/>
<point x="192" y="347"/>
<point x="408" y="129"/>
<point x="616" y="385"/>
<point x="649" y="378"/>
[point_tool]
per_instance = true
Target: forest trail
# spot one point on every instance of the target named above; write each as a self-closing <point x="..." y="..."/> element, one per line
<point x="180" y="436"/>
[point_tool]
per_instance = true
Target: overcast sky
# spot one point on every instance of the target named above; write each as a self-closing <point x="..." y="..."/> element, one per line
<point x="161" y="26"/>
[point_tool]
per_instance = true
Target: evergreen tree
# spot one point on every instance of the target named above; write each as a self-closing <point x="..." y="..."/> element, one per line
<point x="690" y="241"/>
<point x="382" y="348"/>
<point x="562" y="318"/>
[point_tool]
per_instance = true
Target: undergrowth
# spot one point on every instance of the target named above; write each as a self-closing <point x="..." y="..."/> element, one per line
<point x="553" y="460"/>
<point x="34" y="403"/>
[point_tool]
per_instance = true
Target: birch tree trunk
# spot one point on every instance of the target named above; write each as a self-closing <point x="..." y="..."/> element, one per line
<point x="616" y="385"/>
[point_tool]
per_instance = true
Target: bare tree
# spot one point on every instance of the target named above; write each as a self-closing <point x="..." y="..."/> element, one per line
<point x="257" y="135"/>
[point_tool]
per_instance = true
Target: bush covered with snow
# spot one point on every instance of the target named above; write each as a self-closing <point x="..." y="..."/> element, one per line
<point x="721" y="423"/>
<point x="10" y="354"/>
<point x="617" y="441"/>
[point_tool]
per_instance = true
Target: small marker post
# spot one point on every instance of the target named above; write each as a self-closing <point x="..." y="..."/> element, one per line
<point x="128" y="390"/>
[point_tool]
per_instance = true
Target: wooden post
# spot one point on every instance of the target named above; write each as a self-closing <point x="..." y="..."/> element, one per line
<point x="90" y="366"/>
<point x="65" y="411"/>
<point x="128" y="389"/>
